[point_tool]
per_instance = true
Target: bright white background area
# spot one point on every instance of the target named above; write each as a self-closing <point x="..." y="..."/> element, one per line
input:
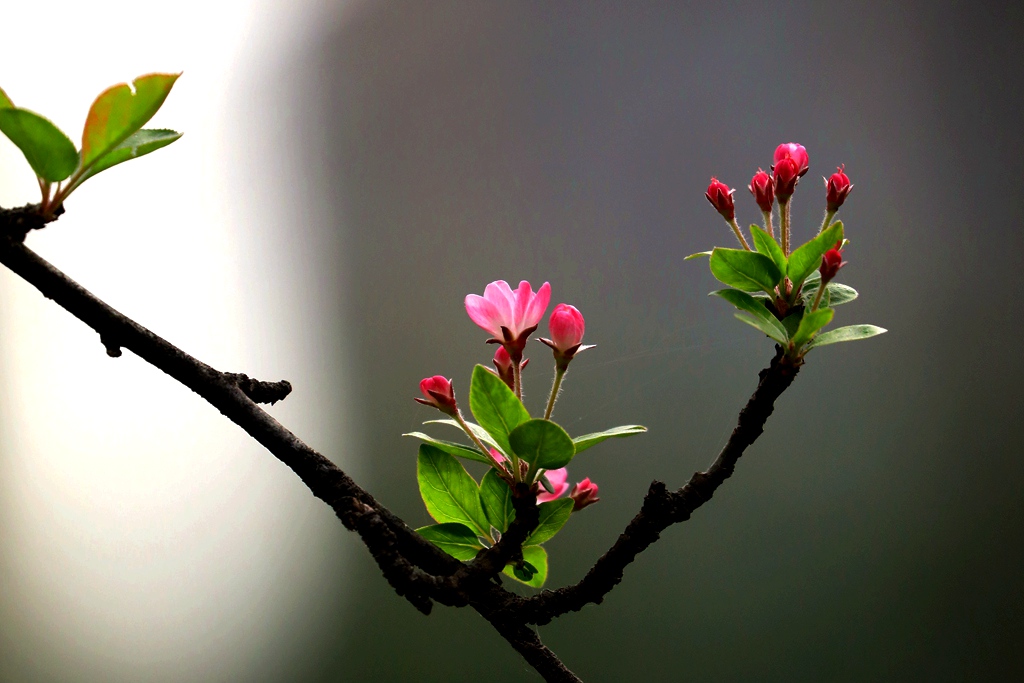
<point x="143" y="536"/>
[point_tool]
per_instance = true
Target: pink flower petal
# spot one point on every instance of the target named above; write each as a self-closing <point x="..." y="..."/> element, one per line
<point x="535" y="311"/>
<point x="485" y="314"/>
<point x="500" y="294"/>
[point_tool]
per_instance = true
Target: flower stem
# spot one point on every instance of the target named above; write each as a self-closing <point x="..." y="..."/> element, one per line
<point x="829" y="215"/>
<point x="739" y="235"/>
<point x="768" y="223"/>
<point x="469" y="432"/>
<point x="559" y="374"/>
<point x="817" y="297"/>
<point x="784" y="216"/>
<point x="517" y="376"/>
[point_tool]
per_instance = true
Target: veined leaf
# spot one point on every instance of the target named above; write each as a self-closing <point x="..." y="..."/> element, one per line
<point x="745" y="270"/>
<point x="835" y="294"/>
<point x="538" y="559"/>
<point x="811" y="323"/>
<point x="553" y="516"/>
<point x="448" y="491"/>
<point x="497" y="499"/>
<point x="494" y="406"/>
<point x="844" y="334"/>
<point x="697" y="255"/>
<point x="452" y="448"/>
<point x="458" y="540"/>
<point x="584" y="442"/>
<point x="766" y="322"/>
<point x="478" y="431"/>
<point x="139" y="143"/>
<point x="807" y="258"/>
<point x="47" y="149"/>
<point x="543" y="444"/>
<point x="766" y="244"/>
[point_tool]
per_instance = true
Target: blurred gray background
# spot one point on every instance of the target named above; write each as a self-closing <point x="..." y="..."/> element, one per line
<point x="876" y="530"/>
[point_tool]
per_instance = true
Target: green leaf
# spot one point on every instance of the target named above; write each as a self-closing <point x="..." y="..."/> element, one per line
<point x="452" y="448"/>
<point x="762" y="317"/>
<point x="745" y="270"/>
<point x="478" y="431"/>
<point x="497" y="499"/>
<point x="543" y="444"/>
<point x="537" y="557"/>
<point x="584" y="442"/>
<point x="807" y="258"/>
<point x="5" y="101"/>
<point x="844" y="334"/>
<point x="48" y="151"/>
<point x="458" y="540"/>
<point x="121" y="110"/>
<point x="835" y="294"/>
<point x="792" y="321"/>
<point x="697" y="255"/>
<point x="139" y="143"/>
<point x="449" y="493"/>
<point x="494" y="406"/>
<point x="811" y="323"/>
<point x="766" y="244"/>
<point x="553" y="516"/>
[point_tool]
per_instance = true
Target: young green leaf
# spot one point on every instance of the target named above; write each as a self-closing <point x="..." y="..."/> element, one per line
<point x="835" y="294"/>
<point x="139" y="143"/>
<point x="697" y="255"/>
<point x="811" y="323"/>
<point x="807" y="258"/>
<point x="745" y="270"/>
<point x="457" y="449"/>
<point x="537" y="557"/>
<point x="478" y="431"/>
<point x="497" y="499"/>
<point x="458" y="540"/>
<point x="494" y="406"/>
<point x="766" y="244"/>
<point x="449" y="493"/>
<point x="844" y="334"/>
<point x="584" y="442"/>
<point x="542" y="443"/>
<point x="48" y="151"/>
<point x="553" y="516"/>
<point x="792" y="321"/>
<point x="766" y="322"/>
<point x="121" y="110"/>
<point x="5" y="101"/>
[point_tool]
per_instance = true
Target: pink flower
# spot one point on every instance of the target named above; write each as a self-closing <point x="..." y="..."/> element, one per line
<point x="786" y="176"/>
<point x="837" y="187"/>
<point x="763" y="189"/>
<point x="798" y="153"/>
<point x="509" y="316"/>
<point x="831" y="262"/>
<point x="438" y="392"/>
<point x="584" y="494"/>
<point x="720" y="197"/>
<point x="498" y="458"/>
<point x="559" y="482"/>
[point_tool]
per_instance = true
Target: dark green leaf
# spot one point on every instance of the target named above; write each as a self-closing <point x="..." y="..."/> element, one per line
<point x="765" y="321"/>
<point x="449" y="493"/>
<point x="494" y="406"/>
<point x="766" y="244"/>
<point x="524" y="571"/>
<point x="835" y="294"/>
<point x="121" y="110"/>
<point x="497" y="499"/>
<point x="697" y="255"/>
<point x="584" y="442"/>
<point x="458" y="540"/>
<point x="477" y="430"/>
<point x="553" y="516"/>
<point x="745" y="270"/>
<point x="807" y="258"/>
<point x="139" y="143"/>
<point x="452" y="448"/>
<point x="48" y="151"/>
<point x="811" y="323"/>
<point x="792" y="321"/>
<point x="543" y="444"/>
<point x="844" y="334"/>
<point x="537" y="557"/>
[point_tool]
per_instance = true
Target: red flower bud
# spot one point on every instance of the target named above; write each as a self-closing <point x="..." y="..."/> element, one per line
<point x="786" y="175"/>
<point x="584" y="494"/>
<point x="438" y="393"/>
<point x="567" y="327"/>
<point x="503" y="362"/>
<point x="720" y="197"/>
<point x="837" y="187"/>
<point x="797" y="153"/>
<point x="831" y="262"/>
<point x="763" y="189"/>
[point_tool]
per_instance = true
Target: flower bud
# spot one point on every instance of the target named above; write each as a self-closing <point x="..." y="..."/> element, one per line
<point x="438" y="393"/>
<point x="831" y="262"/>
<point x="503" y="362"/>
<point x="720" y="197"/>
<point x="836" y="189"/>
<point x="559" y="483"/>
<point x="566" y="324"/>
<point x="584" y="494"/>
<point x="798" y="153"/>
<point x="763" y="189"/>
<point x="786" y="175"/>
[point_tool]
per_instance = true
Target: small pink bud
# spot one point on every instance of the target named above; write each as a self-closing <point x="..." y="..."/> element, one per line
<point x="763" y="189"/>
<point x="798" y="153"/>
<point x="503" y="362"/>
<point x="786" y="175"/>
<point x="720" y="197"/>
<point x="566" y="324"/>
<point x="584" y="494"/>
<point x="831" y="262"/>
<point x="559" y="482"/>
<point x="837" y="187"/>
<point x="438" y="392"/>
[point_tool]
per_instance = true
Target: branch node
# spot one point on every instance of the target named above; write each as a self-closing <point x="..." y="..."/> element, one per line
<point x="258" y="391"/>
<point x="112" y="347"/>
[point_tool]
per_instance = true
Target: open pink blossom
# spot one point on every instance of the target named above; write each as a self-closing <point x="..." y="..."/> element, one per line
<point x="584" y="494"/>
<point x="501" y="309"/>
<point x="438" y="392"/>
<point x="559" y="482"/>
